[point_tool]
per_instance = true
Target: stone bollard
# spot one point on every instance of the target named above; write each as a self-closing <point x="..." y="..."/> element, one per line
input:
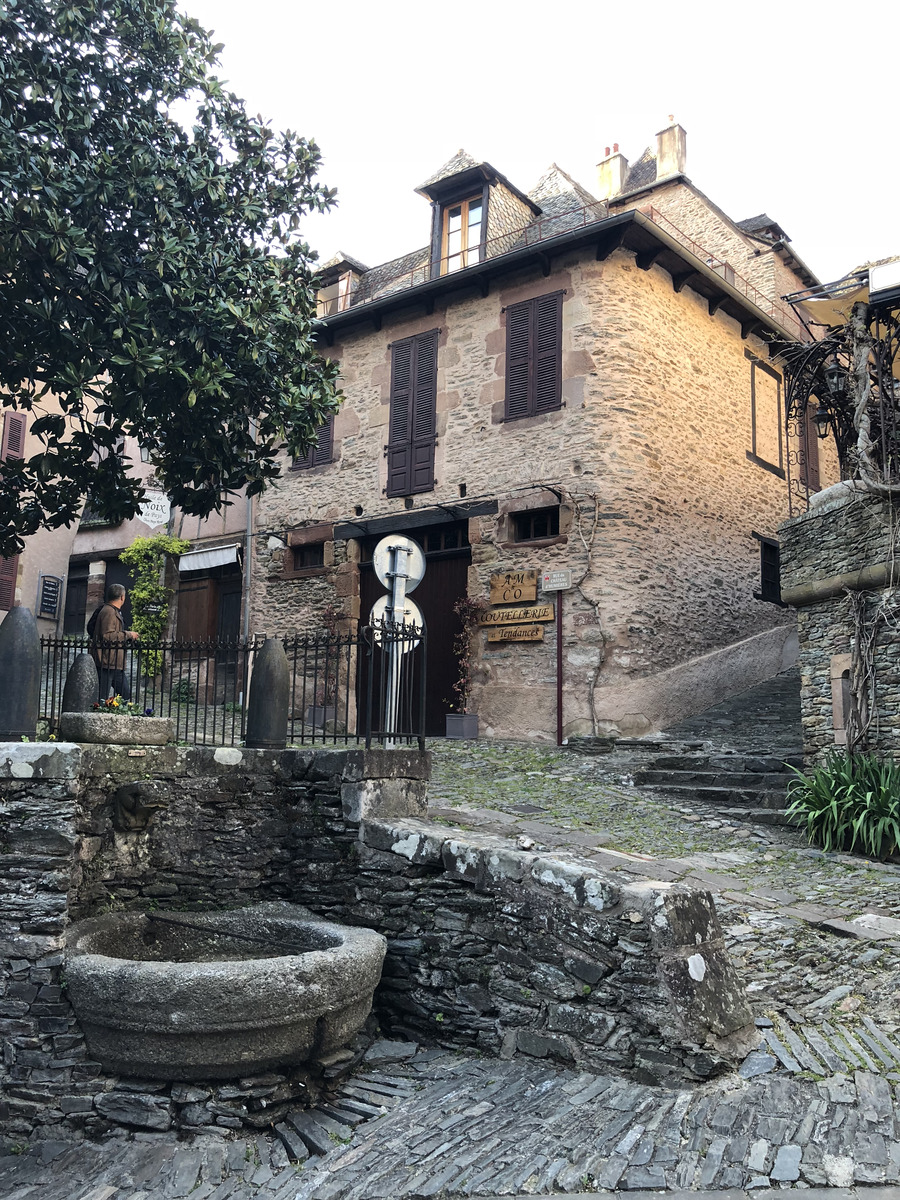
<point x="20" y="667"/>
<point x="82" y="688"/>
<point x="270" y="689"/>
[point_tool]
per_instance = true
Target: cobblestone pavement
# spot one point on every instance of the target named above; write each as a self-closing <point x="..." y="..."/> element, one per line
<point x="450" y="1125"/>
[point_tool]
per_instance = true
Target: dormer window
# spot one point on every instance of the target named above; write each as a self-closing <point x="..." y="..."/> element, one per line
<point x="462" y="238"/>
<point x="340" y="278"/>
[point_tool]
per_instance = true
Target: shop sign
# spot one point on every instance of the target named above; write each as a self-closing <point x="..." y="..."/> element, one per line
<point x="155" y="509"/>
<point x="514" y="587"/>
<point x="517" y="633"/>
<point x="556" y="581"/>
<point x="518" y="616"/>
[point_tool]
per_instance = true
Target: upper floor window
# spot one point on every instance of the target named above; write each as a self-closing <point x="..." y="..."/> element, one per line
<point x="534" y="524"/>
<point x="322" y="449"/>
<point x="462" y="235"/>
<point x="534" y="356"/>
<point x="413" y="422"/>
<point x="766" y="417"/>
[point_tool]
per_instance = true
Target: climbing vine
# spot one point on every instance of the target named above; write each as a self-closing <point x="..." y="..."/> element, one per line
<point x="150" y="597"/>
<point x="469" y="609"/>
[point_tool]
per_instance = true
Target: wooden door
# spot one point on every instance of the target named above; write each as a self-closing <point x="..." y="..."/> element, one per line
<point x="447" y="555"/>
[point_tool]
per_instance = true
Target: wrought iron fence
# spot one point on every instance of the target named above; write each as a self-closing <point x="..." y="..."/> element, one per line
<point x="342" y="688"/>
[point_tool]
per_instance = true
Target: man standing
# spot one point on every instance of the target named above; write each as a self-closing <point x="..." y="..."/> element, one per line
<point x="110" y="638"/>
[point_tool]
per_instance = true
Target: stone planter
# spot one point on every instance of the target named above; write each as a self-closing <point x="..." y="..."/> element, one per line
<point x="117" y="731"/>
<point x="462" y="725"/>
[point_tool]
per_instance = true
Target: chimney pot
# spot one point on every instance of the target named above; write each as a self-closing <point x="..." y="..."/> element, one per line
<point x="606" y="152"/>
<point x="615" y="148"/>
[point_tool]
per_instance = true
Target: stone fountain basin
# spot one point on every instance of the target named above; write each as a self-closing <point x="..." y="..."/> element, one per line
<point x="162" y="1001"/>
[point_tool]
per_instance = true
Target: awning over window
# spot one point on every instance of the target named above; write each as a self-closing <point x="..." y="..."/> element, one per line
<point x="205" y="560"/>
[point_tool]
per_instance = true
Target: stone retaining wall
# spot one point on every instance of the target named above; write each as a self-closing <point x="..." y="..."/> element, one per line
<point x="844" y="544"/>
<point x="489" y="946"/>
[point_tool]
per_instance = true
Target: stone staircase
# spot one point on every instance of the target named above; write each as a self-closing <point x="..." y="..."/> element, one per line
<point x="735" y="756"/>
<point x="749" y="785"/>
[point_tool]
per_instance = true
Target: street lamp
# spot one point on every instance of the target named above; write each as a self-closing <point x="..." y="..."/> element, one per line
<point x="836" y="380"/>
<point x="822" y="419"/>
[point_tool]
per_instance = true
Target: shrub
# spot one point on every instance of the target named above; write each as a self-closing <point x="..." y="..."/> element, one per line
<point x="851" y="802"/>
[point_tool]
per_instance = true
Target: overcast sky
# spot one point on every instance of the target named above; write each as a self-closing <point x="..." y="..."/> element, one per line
<point x="788" y="106"/>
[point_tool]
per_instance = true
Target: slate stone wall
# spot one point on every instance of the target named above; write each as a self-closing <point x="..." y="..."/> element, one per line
<point x="836" y="545"/>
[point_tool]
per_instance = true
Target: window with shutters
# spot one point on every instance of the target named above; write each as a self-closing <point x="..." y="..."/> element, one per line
<point x="412" y="428"/>
<point x="321" y="450"/>
<point x="461" y="242"/>
<point x="769" y="570"/>
<point x="12" y="446"/>
<point x="534" y="356"/>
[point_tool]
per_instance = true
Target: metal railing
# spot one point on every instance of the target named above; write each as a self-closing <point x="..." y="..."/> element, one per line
<point x="782" y="313"/>
<point x="339" y="684"/>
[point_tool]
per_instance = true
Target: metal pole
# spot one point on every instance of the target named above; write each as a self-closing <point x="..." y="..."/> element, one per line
<point x="559" y="670"/>
<point x="398" y="575"/>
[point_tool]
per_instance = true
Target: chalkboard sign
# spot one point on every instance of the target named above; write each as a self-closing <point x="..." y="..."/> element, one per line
<point x="49" y="592"/>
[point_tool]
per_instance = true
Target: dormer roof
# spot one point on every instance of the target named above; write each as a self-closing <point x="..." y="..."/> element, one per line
<point x="462" y="171"/>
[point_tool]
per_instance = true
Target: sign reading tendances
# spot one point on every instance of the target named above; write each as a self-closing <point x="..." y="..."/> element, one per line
<point x="517" y="633"/>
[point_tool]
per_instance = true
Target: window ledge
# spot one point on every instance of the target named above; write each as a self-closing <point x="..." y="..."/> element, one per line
<point x="766" y="466"/>
<point x="305" y="573"/>
<point x="561" y="539"/>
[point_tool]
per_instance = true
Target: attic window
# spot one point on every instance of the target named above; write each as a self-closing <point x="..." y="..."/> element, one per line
<point x="461" y="244"/>
<point x="336" y="297"/>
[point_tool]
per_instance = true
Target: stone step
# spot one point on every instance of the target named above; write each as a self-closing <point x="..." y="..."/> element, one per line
<point x="743" y="780"/>
<point x="760" y="816"/>
<point x="737" y="797"/>
<point x="757" y="764"/>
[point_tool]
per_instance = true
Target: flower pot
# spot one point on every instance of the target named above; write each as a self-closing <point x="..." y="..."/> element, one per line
<point x="117" y="731"/>
<point x="462" y="725"/>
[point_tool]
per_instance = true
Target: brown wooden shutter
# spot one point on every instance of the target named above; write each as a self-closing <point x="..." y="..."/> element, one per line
<point x="9" y="570"/>
<point x="412" y="426"/>
<point x="518" y="360"/>
<point x="809" y="446"/>
<point x="424" y="404"/>
<point x="321" y="451"/>
<point x="548" y="353"/>
<point x="534" y="356"/>
<point x="13" y="446"/>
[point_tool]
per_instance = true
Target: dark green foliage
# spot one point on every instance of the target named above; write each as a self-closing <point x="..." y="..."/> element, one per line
<point x="851" y="802"/>
<point x="149" y="275"/>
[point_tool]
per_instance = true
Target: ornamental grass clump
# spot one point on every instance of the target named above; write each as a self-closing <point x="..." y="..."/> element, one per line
<point x="851" y="802"/>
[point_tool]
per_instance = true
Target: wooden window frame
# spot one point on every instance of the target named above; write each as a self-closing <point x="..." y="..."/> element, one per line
<point x="767" y="591"/>
<point x="321" y="452"/>
<point x="298" y="539"/>
<point x="412" y="420"/>
<point x="533" y="357"/>
<point x="756" y="364"/>
<point x="516" y="519"/>
<point x="465" y="248"/>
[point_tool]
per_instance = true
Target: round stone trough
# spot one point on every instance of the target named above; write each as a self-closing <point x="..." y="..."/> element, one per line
<point x="180" y="995"/>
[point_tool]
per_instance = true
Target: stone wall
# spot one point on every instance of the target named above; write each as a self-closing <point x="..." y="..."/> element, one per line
<point x="844" y="544"/>
<point x="649" y="457"/>
<point x="489" y="946"/>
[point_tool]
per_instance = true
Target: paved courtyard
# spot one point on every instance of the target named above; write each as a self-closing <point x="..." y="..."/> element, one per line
<point x="815" y="1106"/>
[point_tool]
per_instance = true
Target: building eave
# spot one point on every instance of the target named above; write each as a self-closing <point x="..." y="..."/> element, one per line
<point x="629" y="230"/>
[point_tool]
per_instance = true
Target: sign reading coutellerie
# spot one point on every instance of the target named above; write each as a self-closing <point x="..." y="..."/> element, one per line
<point x="517" y="616"/>
<point x="517" y="633"/>
<point x="512" y="587"/>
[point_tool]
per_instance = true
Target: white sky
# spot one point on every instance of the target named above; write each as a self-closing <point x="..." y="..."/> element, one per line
<point x="788" y="106"/>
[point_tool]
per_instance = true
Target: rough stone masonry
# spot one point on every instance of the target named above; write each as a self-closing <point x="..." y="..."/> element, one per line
<point x="512" y="951"/>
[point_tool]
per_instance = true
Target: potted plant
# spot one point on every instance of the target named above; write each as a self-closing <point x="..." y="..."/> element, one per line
<point x="460" y="722"/>
<point x="117" y="722"/>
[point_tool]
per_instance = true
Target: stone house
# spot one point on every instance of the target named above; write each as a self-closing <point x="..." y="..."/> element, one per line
<point x="559" y="381"/>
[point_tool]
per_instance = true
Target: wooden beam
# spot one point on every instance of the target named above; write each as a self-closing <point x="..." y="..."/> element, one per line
<point x="646" y="258"/>
<point x="484" y="284"/>
<point x="678" y="281"/>
<point x="429" y="305"/>
<point x="716" y="304"/>
<point x="749" y="326"/>
<point x="376" y="322"/>
<point x="544" y="260"/>
<point x="610" y="244"/>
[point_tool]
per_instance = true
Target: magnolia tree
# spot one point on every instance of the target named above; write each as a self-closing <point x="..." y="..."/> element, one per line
<point x="153" y="281"/>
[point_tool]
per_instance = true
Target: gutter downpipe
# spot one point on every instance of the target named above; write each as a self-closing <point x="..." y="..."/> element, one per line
<point x="248" y="554"/>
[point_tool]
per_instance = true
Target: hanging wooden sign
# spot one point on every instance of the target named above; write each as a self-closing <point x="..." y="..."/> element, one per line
<point x="514" y="587"/>
<point x="518" y="616"/>
<point x="517" y="633"/>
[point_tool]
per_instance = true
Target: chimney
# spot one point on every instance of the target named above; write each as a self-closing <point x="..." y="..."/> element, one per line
<point x="670" y="150"/>
<point x="611" y="172"/>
